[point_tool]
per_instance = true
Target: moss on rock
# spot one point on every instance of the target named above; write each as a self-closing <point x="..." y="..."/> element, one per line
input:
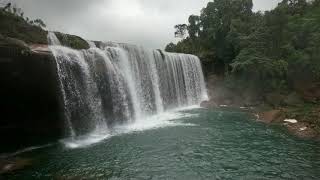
<point x="72" y="41"/>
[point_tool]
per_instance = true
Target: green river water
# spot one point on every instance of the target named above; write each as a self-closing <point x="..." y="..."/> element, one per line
<point x="190" y="144"/>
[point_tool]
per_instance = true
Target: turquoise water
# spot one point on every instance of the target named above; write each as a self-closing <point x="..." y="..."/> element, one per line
<point x="193" y="144"/>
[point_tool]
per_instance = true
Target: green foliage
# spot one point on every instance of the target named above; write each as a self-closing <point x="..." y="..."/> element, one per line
<point x="72" y="41"/>
<point x="262" y="50"/>
<point x="180" y="30"/>
<point x="15" y="11"/>
<point x="194" y="26"/>
<point x="39" y="23"/>
<point x="171" y="47"/>
<point x="15" y="26"/>
<point x="260" y="69"/>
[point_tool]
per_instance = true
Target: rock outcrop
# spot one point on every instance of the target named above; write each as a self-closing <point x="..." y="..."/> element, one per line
<point x="30" y="105"/>
<point x="269" y="116"/>
<point x="14" y="164"/>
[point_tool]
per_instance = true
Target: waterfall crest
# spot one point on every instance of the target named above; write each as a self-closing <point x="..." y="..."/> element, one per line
<point x="114" y="83"/>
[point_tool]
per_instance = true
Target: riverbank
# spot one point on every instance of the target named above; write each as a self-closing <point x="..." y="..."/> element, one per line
<point x="297" y="123"/>
<point x="295" y="120"/>
<point x="298" y="111"/>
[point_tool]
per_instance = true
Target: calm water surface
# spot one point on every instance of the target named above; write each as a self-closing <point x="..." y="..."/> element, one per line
<point x="193" y="144"/>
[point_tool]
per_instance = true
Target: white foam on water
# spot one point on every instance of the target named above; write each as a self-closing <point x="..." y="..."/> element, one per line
<point x="162" y="120"/>
<point x="167" y="119"/>
<point x="84" y="141"/>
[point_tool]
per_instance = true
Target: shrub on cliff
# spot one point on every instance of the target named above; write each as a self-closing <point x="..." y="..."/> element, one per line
<point x="15" y="26"/>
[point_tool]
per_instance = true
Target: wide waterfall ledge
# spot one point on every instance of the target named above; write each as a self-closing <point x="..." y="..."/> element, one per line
<point x="113" y="85"/>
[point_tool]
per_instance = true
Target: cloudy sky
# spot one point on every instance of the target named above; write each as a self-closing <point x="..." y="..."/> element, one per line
<point x="144" y="22"/>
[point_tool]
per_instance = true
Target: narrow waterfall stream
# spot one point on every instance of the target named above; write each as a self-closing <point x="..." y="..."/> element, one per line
<point x="114" y="84"/>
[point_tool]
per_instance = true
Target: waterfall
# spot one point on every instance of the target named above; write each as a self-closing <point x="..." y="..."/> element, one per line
<point x="114" y="83"/>
<point x="52" y="39"/>
<point x="91" y="44"/>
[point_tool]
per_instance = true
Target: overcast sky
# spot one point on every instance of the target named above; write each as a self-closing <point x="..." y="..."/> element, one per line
<point x="144" y="22"/>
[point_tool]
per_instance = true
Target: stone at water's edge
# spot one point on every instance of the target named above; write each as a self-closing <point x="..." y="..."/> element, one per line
<point x="302" y="130"/>
<point x="269" y="116"/>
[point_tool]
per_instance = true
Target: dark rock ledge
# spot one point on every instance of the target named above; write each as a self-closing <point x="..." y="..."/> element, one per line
<point x="30" y="105"/>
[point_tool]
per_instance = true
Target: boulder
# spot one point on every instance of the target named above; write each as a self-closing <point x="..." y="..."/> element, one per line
<point x="302" y="130"/>
<point x="269" y="116"/>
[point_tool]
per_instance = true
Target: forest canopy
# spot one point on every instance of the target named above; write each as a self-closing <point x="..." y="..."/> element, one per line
<point x="245" y="46"/>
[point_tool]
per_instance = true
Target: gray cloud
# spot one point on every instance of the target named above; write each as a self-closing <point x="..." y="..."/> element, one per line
<point x="145" y="22"/>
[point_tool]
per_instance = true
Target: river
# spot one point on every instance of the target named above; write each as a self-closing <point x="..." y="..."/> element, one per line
<point x="191" y="143"/>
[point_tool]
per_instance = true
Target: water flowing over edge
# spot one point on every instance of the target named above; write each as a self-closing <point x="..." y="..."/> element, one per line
<point x="114" y="86"/>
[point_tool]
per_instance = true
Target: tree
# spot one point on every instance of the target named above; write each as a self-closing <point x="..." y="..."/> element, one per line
<point x="194" y="26"/>
<point x="181" y="30"/>
<point x="273" y="46"/>
<point x="171" y="47"/>
<point x="7" y="7"/>
<point x="40" y="23"/>
<point x="298" y="6"/>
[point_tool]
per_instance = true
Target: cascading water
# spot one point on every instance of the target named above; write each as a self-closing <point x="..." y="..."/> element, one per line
<point x="119" y="83"/>
<point x="91" y="44"/>
<point x="52" y="39"/>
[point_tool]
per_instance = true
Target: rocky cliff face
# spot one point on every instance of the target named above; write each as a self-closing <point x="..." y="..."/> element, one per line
<point x="30" y="107"/>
